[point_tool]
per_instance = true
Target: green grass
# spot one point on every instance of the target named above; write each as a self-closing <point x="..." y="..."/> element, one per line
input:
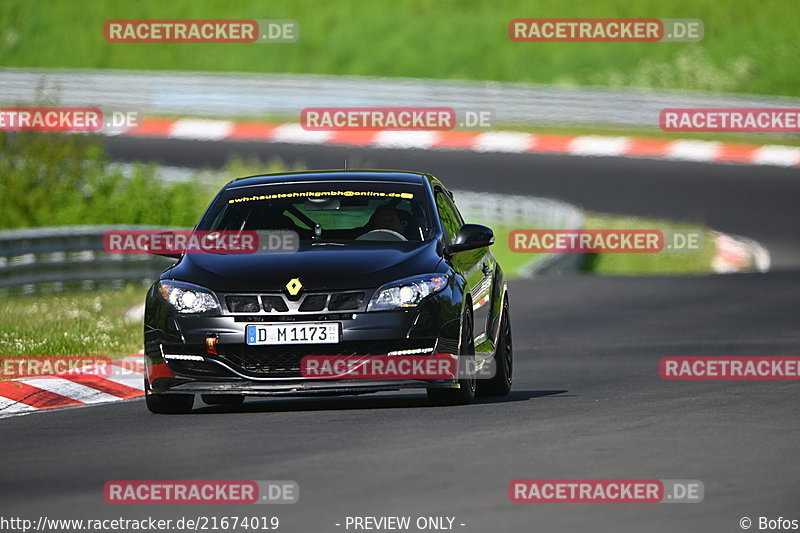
<point x="748" y="46"/>
<point x="648" y="264"/>
<point x="55" y="180"/>
<point x="91" y="323"/>
<point x="514" y="263"/>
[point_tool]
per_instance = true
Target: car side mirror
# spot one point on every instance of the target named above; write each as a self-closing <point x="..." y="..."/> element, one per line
<point x="470" y="237"/>
<point x="165" y="236"/>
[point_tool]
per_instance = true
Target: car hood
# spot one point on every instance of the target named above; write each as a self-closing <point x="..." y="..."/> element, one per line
<point x="318" y="267"/>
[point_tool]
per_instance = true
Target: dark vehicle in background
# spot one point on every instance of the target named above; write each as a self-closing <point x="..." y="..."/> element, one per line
<point x="385" y="266"/>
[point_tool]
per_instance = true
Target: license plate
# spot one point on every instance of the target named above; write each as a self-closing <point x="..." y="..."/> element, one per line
<point x="293" y="333"/>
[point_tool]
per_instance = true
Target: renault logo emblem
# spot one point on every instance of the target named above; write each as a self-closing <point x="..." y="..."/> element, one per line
<point x="294" y="286"/>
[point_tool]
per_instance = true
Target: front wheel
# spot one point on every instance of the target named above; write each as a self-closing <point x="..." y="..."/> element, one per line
<point x="465" y="394"/>
<point x="500" y="383"/>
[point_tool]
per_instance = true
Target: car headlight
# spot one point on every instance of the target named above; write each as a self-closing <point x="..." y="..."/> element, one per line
<point x="187" y="298"/>
<point x="406" y="292"/>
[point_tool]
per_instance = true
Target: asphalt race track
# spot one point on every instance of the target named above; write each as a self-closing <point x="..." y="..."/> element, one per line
<point x="756" y="201"/>
<point x="587" y="402"/>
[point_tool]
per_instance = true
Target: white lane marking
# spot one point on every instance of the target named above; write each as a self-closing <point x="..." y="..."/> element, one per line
<point x="503" y="141"/>
<point x="405" y="139"/>
<point x="693" y="150"/>
<point x="785" y="156"/>
<point x="70" y="389"/>
<point x="200" y="129"/>
<point x="590" y="145"/>
<point x="294" y="133"/>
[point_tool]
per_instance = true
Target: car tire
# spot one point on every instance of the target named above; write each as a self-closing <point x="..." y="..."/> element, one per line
<point x="465" y="394"/>
<point x="500" y="383"/>
<point x="223" y="399"/>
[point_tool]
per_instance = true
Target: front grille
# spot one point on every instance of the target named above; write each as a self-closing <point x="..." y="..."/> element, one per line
<point x="316" y="302"/>
<point x="243" y="304"/>
<point x="274" y="303"/>
<point x="284" y="361"/>
<point x="346" y="300"/>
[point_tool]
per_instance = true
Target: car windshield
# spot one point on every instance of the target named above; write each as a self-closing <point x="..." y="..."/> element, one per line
<point x="326" y="212"/>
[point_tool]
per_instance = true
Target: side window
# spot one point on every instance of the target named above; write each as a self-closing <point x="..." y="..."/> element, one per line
<point x="448" y="214"/>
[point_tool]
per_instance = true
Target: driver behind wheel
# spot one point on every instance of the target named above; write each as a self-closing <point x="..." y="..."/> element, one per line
<point x="386" y="217"/>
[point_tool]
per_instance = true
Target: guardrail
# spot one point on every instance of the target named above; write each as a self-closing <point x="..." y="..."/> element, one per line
<point x="52" y="259"/>
<point x="242" y="94"/>
<point x="525" y="212"/>
<point x="510" y="209"/>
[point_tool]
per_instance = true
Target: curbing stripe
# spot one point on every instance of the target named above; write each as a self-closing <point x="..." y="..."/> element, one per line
<point x="294" y="133"/>
<point x="34" y="396"/>
<point x="558" y="144"/>
<point x="405" y="139"/>
<point x="202" y="130"/>
<point x="10" y="407"/>
<point x="75" y="388"/>
<point x="735" y="253"/>
<point x="599" y="146"/>
<point x="106" y="385"/>
<point x="491" y="141"/>
<point x="246" y="131"/>
<point x="786" y="156"/>
<point x="69" y="389"/>
<point x="153" y="127"/>
<point x="503" y="141"/>
<point x="693" y="150"/>
<point x="653" y="148"/>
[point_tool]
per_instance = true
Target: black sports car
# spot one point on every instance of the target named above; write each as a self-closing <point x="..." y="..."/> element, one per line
<point x="384" y="266"/>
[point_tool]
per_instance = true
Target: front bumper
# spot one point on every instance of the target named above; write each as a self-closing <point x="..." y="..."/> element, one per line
<point x="177" y="361"/>
<point x="304" y="388"/>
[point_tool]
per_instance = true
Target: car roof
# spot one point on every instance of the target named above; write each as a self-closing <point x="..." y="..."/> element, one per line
<point x="397" y="176"/>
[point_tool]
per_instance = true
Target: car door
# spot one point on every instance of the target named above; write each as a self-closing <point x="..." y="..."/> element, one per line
<point x="477" y="266"/>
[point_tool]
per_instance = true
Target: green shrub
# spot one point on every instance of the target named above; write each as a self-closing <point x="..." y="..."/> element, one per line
<point x="58" y="179"/>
